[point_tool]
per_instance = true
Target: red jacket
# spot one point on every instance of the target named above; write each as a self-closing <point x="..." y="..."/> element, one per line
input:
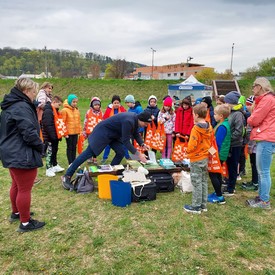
<point x="184" y="121"/>
<point x="110" y="111"/>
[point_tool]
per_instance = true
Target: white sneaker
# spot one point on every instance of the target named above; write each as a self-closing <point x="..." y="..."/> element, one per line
<point x="50" y="172"/>
<point x="57" y="168"/>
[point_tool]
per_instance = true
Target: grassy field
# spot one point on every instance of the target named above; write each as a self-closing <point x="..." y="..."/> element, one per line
<point x="87" y="235"/>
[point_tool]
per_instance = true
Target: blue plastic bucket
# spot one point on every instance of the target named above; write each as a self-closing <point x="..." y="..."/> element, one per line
<point x="121" y="193"/>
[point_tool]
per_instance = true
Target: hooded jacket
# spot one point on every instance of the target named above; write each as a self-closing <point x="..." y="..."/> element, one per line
<point x="110" y="111"/>
<point x="20" y="144"/>
<point x="154" y="111"/>
<point x="199" y="142"/>
<point x="184" y="121"/>
<point x="71" y="117"/>
<point x="237" y="122"/>
<point x="262" y="118"/>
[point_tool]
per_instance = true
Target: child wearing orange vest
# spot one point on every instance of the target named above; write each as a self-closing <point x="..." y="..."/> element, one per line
<point x="92" y="118"/>
<point x="53" y="129"/>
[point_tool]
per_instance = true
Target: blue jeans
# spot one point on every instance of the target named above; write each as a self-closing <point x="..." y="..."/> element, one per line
<point x="108" y="149"/>
<point x="263" y="162"/>
<point x="118" y="147"/>
<point x="85" y="155"/>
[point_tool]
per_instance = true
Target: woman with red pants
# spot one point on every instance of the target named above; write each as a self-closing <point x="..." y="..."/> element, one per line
<point x="21" y="148"/>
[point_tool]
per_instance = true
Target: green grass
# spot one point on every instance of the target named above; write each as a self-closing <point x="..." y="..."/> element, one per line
<point x="87" y="235"/>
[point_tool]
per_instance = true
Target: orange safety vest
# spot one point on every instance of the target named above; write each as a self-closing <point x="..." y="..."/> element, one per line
<point x="92" y="120"/>
<point x="60" y="127"/>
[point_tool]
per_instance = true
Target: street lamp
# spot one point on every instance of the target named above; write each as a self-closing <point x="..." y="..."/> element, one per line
<point x="232" y="58"/>
<point x="189" y="58"/>
<point x="153" y="51"/>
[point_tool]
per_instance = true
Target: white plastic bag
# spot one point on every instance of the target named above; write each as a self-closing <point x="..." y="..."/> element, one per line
<point x="185" y="182"/>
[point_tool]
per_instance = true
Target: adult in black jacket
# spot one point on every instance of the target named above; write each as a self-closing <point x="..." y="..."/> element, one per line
<point x="115" y="131"/>
<point x="21" y="148"/>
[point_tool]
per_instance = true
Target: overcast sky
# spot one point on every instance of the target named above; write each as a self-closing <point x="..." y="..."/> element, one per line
<point x="176" y="29"/>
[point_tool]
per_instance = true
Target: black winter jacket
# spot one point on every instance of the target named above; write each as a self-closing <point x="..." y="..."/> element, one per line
<point x="20" y="144"/>
<point x="48" y="127"/>
<point x="154" y="111"/>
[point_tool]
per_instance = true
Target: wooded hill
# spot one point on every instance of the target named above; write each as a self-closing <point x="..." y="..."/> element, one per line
<point x="60" y="63"/>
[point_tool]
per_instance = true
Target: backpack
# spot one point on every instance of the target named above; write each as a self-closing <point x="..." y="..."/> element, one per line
<point x="83" y="183"/>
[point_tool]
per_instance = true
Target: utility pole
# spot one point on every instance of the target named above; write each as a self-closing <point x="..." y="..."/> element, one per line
<point x="231" y="63"/>
<point x="153" y="51"/>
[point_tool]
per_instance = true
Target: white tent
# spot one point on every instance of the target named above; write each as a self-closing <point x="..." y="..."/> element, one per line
<point x="190" y="86"/>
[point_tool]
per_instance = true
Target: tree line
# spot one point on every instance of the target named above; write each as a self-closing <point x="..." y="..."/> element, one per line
<point x="62" y="63"/>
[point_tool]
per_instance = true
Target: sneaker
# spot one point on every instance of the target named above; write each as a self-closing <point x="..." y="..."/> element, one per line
<point x="253" y="201"/>
<point x="216" y="199"/>
<point x="16" y="217"/>
<point x="226" y="193"/>
<point x="57" y="168"/>
<point x="203" y="209"/>
<point x="50" y="172"/>
<point x="239" y="177"/>
<point x="32" y="225"/>
<point x="261" y="204"/>
<point x="211" y="195"/>
<point x="66" y="183"/>
<point x="250" y="186"/>
<point x="192" y="209"/>
<point x="221" y="200"/>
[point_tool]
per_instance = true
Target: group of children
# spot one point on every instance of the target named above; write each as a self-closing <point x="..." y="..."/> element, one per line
<point x="231" y="135"/>
<point x="197" y="123"/>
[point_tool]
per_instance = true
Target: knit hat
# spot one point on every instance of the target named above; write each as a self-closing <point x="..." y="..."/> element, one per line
<point x="232" y="98"/>
<point x="187" y="100"/>
<point x="168" y="102"/>
<point x="207" y="100"/>
<point x="165" y="97"/>
<point x="95" y="101"/>
<point x="145" y="117"/>
<point x="250" y="100"/>
<point x="116" y="97"/>
<point x="198" y="101"/>
<point x="71" y="97"/>
<point x="152" y="97"/>
<point x="129" y="99"/>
